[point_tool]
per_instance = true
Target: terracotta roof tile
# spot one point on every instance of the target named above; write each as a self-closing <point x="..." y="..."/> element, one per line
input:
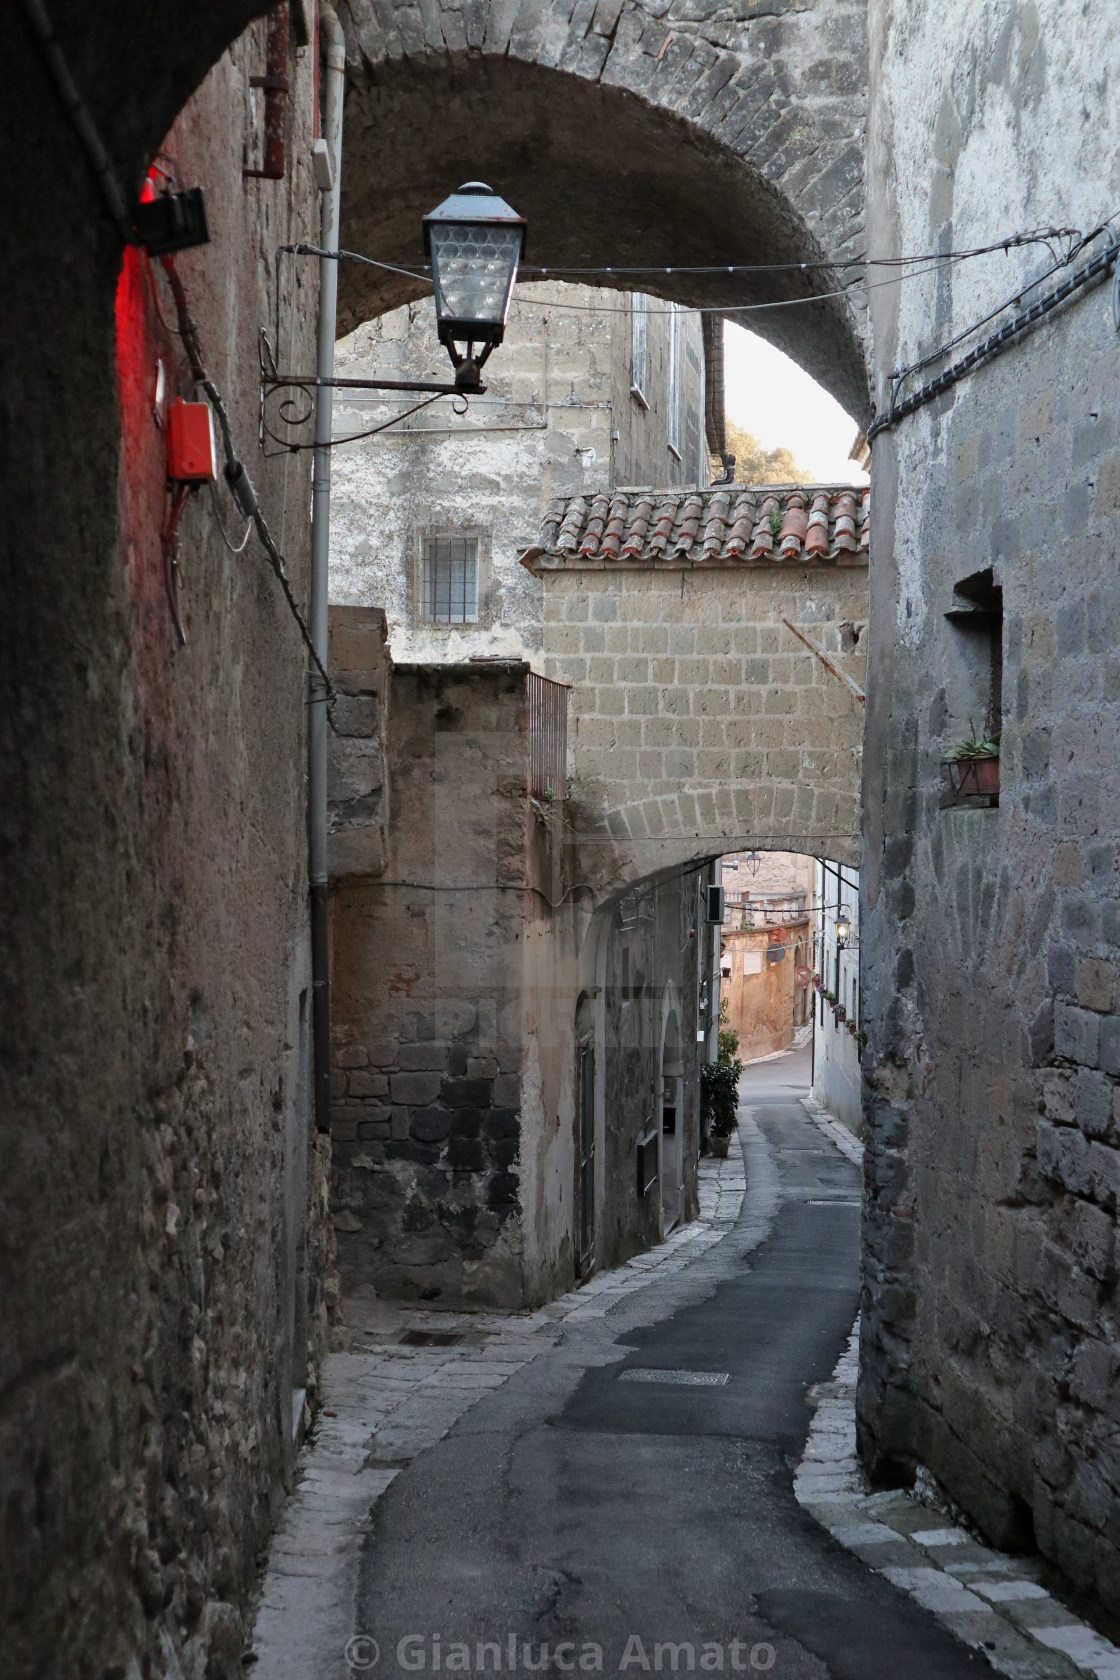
<point x="724" y="525"/>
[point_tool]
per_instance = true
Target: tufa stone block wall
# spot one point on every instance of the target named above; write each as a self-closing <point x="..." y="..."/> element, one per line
<point x="698" y="721"/>
<point x="429" y="1113"/>
<point x="991" y="937"/>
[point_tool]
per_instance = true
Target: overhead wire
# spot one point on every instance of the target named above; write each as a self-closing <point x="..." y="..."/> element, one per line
<point x="236" y="476"/>
<point x="1091" y="274"/>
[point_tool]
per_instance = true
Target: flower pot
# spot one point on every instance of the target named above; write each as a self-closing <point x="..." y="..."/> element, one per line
<point x="977" y="775"/>
<point x="720" y="1146"/>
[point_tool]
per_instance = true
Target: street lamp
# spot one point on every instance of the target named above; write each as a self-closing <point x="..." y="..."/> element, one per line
<point x="474" y="240"/>
<point x="843" y="931"/>
<point x="753" y="861"/>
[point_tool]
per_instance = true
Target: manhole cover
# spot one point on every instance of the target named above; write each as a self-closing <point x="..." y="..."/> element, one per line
<point x="695" y="1379"/>
<point x="431" y="1338"/>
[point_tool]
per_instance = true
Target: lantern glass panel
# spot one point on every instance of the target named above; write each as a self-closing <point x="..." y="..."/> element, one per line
<point x="474" y="269"/>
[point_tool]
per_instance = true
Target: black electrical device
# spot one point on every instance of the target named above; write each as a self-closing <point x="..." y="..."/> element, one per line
<point x="172" y="221"/>
<point x="715" y="904"/>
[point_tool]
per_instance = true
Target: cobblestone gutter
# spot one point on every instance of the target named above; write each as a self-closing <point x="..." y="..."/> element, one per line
<point x="993" y="1602"/>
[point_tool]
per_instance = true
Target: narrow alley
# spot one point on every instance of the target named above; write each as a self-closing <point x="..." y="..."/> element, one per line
<point x="608" y="1484"/>
<point x="560" y="839"/>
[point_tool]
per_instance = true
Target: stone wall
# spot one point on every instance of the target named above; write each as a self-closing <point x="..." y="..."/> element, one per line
<point x="441" y="1114"/>
<point x="992" y="935"/>
<point x="470" y="961"/>
<point x="698" y="722"/>
<point x="153" y="1057"/>
<point x="655" y="955"/>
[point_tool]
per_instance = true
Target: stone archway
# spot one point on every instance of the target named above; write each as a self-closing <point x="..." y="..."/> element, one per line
<point x="622" y="137"/>
<point x="701" y="720"/>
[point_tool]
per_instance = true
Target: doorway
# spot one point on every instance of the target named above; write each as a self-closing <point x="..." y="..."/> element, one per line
<point x="671" y="1102"/>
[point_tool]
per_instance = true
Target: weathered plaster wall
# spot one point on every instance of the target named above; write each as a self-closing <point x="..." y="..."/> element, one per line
<point x="152" y="952"/>
<point x="764" y="1006"/>
<point x="558" y="389"/>
<point x="991" y="936"/>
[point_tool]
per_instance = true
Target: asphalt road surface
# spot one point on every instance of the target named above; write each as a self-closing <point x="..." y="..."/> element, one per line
<point x="638" y="1526"/>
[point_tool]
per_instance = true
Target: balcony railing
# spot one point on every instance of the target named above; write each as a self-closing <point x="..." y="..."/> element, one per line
<point x="548" y="738"/>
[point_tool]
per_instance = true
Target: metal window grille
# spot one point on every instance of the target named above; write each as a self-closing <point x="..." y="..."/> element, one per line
<point x="673" y="417"/>
<point x="639" y="326"/>
<point x="449" y="581"/>
<point x="548" y="738"/>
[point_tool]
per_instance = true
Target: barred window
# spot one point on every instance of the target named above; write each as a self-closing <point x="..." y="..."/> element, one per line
<point x="449" y="581"/>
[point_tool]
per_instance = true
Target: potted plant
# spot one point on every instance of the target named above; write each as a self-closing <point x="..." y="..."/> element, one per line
<point x="974" y="764"/>
<point x="839" y="1013"/>
<point x="719" y="1090"/>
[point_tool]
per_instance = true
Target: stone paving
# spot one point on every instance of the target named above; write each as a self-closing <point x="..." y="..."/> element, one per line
<point x="396" y="1393"/>
<point x="388" y="1399"/>
<point x="993" y="1602"/>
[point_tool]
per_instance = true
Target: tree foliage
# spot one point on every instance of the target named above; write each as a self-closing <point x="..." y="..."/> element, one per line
<point x="756" y="465"/>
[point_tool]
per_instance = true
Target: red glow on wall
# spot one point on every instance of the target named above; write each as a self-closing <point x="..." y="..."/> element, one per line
<point x="141" y="344"/>
<point x="136" y="360"/>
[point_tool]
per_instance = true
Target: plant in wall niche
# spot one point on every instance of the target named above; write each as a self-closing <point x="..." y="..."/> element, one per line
<point x="719" y="1089"/>
<point x="974" y="763"/>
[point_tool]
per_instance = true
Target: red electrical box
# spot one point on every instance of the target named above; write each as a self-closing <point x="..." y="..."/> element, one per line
<point x="191" y="452"/>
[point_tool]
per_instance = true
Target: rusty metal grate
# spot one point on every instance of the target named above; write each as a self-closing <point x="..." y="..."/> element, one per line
<point x="548" y="738"/>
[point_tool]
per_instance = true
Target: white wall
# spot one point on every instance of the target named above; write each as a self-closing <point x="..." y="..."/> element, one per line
<point x="836" y="1069"/>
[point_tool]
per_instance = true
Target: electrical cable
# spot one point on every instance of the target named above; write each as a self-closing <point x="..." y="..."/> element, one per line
<point x="1035" y="236"/>
<point x="236" y="476"/>
<point x="168" y="538"/>
<point x="490" y="886"/>
<point x="1092" y="274"/>
<point x="966" y="332"/>
<point x="234" y="548"/>
<point x="80" y="118"/>
<point x="302" y="249"/>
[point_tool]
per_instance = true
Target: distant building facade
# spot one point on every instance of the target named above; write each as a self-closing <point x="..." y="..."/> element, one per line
<point x="766" y="941"/>
<point x="591" y="389"/>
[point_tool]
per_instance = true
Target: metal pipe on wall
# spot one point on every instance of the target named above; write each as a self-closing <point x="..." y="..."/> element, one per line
<point x="334" y="54"/>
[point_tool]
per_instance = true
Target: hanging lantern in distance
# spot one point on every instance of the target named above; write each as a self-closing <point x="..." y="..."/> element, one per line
<point x="474" y="241"/>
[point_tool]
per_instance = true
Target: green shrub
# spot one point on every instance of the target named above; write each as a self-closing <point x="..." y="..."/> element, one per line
<point x="719" y="1096"/>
